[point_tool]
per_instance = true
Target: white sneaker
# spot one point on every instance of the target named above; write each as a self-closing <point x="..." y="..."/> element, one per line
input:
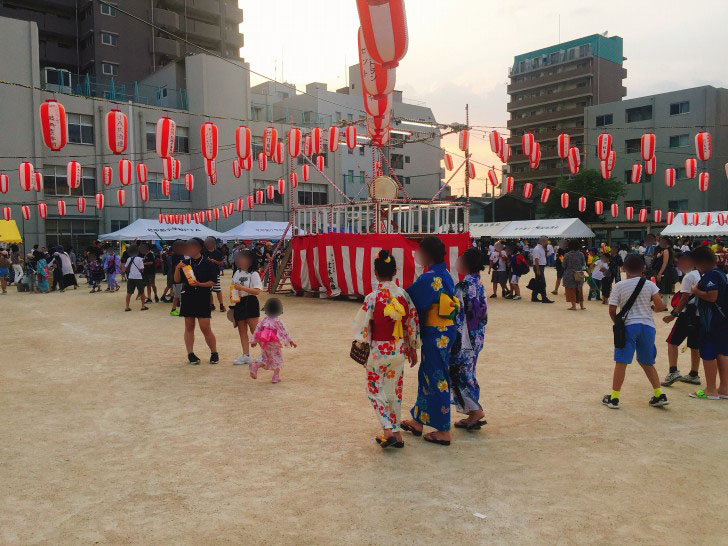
<point x="242" y="360"/>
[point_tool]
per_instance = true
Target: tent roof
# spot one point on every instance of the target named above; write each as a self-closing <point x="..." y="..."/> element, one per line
<point x="152" y="230"/>
<point x="563" y="228"/>
<point x="486" y="229"/>
<point x="679" y="228"/>
<point x="255" y="230"/>
<point x="9" y="232"/>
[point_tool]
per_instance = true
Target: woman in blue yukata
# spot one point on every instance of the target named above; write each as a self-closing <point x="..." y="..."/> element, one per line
<point x="433" y="296"/>
<point x="470" y="324"/>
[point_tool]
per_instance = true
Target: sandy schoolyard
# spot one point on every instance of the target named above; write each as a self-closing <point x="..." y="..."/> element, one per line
<point x="108" y="436"/>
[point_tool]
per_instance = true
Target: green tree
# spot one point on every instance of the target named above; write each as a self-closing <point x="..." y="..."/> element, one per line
<point x="587" y="183"/>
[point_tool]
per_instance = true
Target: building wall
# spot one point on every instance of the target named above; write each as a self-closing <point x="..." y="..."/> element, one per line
<point x="708" y="110"/>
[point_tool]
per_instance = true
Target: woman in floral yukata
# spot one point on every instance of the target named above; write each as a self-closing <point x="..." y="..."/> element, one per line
<point x="387" y="322"/>
<point x="433" y="296"/>
<point x="470" y="324"/>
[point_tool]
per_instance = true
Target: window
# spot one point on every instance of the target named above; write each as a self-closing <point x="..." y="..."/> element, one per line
<point x="680" y="173"/>
<point x="69" y="232"/>
<point x="632" y="145"/>
<point x="56" y="183"/>
<point x="639" y="113"/>
<point x="679" y="141"/>
<point x="313" y="194"/>
<point x="182" y="142"/>
<point x="257" y="145"/>
<point x="108" y="10"/>
<point x="404" y="179"/>
<point x="606" y="119"/>
<point x="177" y="190"/>
<point x="362" y="177"/>
<point x="263" y="185"/>
<point x="361" y="150"/>
<point x="80" y="129"/>
<point x="406" y="159"/>
<point x="110" y="69"/>
<point x="677" y="108"/>
<point x="151" y="137"/>
<point x="109" y="39"/>
<point x="116" y="225"/>
<point x="256" y="113"/>
<point x="396" y="161"/>
<point x="680" y="205"/>
<point x="637" y="204"/>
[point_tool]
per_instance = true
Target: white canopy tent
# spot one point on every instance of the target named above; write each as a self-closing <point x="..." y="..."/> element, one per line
<point x="153" y="230"/>
<point x="252" y="230"/>
<point x="679" y="228"/>
<point x="556" y="228"/>
<point x="486" y="229"/>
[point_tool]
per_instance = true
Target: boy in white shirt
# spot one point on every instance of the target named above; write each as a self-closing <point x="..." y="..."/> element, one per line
<point x="639" y="330"/>
<point x="686" y="326"/>
<point x="498" y="265"/>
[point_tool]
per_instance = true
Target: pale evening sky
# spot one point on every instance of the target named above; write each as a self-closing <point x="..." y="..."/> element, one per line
<point x="460" y="50"/>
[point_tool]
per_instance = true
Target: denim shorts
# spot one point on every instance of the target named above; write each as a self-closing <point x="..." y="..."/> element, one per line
<point x="4" y="272"/>
<point x="640" y="338"/>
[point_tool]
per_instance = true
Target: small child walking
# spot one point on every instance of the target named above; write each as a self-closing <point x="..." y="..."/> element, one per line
<point x="95" y="272"/>
<point x="272" y="335"/>
<point x="639" y="329"/>
<point x="244" y="304"/>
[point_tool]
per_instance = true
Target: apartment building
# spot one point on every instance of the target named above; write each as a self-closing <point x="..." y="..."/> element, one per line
<point x="674" y="117"/>
<point x="85" y="44"/>
<point x="550" y="89"/>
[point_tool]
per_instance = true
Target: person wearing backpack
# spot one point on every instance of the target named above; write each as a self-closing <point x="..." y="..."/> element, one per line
<point x="518" y="268"/>
<point x="134" y="268"/>
<point x="634" y="329"/>
<point x="712" y="295"/>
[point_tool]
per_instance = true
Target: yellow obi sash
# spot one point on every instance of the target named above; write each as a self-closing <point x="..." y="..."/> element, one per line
<point x="442" y="314"/>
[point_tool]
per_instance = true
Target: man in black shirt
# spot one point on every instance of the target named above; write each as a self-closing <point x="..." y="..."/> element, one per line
<point x="150" y="271"/>
<point x="214" y="255"/>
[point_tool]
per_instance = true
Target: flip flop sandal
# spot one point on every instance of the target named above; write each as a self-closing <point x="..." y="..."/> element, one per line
<point x="700" y="395"/>
<point x="398" y="445"/>
<point x="127" y="310"/>
<point x="434" y="441"/>
<point x="723" y="396"/>
<point x="408" y="428"/>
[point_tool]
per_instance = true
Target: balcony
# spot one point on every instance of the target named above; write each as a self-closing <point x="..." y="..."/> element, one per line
<point x="233" y="12"/>
<point x="234" y="39"/>
<point x="164" y="46"/>
<point x="166" y="19"/>
<point x="564" y="74"/>
<point x="530" y="121"/>
<point x="553" y="97"/>
<point x="203" y="31"/>
<point x="203" y="8"/>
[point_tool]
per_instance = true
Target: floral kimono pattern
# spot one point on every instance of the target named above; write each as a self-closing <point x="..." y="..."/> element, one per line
<point x="470" y="323"/>
<point x="432" y="406"/>
<point x="387" y="321"/>
<point x="271" y="335"/>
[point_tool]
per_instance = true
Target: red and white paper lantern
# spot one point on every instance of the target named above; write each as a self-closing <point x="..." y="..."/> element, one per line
<point x="691" y="167"/>
<point x="259" y="197"/>
<point x="685" y="219"/>
<point x="643" y="216"/>
<point x="43" y="210"/>
<point x="210" y="167"/>
<point x="493" y="178"/>
<point x="189" y="182"/>
<point x="464" y="140"/>
<point x="448" y="162"/>
<point x="564" y="200"/>
<point x="4" y="183"/>
<point x="53" y="124"/>
<point x="545" y="194"/>
<point x="270" y="138"/>
<point x="495" y="142"/>
<point x="606" y="173"/>
<point x="99" y="199"/>
<point x="320" y="163"/>
<point x="598" y="208"/>
<point x="277" y="156"/>
<point x="262" y="161"/>
<point x="471" y="170"/>
<point x="212" y="177"/>
<point x="121" y="197"/>
<point x="73" y="174"/>
<point x="527" y="142"/>
<point x="563" y="145"/>
<point x="25" y="211"/>
<point x="243" y="142"/>
<point x="208" y="140"/>
<point x="107" y="175"/>
<point x="651" y="166"/>
<point x="166" y="135"/>
<point x="535" y="159"/>
<point x="670" y="176"/>
<point x="117" y="131"/>
<point x="636" y="174"/>
<point x="333" y="139"/>
<point x="582" y="204"/>
<point x="604" y="146"/>
<point x="629" y="213"/>
<point x="7" y="214"/>
<point x="61" y="208"/>
<point x="527" y="190"/>
<point x="281" y="186"/>
<point x="510" y="184"/>
<point x="141" y="172"/>
<point x="144" y="192"/>
<point x="251" y="202"/>
<point x="270" y="192"/>
<point x="37" y="181"/>
<point x="26" y="174"/>
<point x="574" y="159"/>
<point x="351" y="137"/>
<point x="703" y="145"/>
<point x="376" y="80"/>
<point x="307" y="146"/>
<point x="125" y="172"/>
<point x="384" y="26"/>
<point x="81" y="205"/>
<point x="306" y="173"/>
<point x="237" y="171"/>
<point x="166" y="187"/>
<point x="657" y="215"/>
<point x="247" y="163"/>
<point x="208" y="215"/>
<point x="317" y="140"/>
<point x="294" y="142"/>
<point x="615" y="210"/>
<point x="696" y="218"/>
<point x="611" y="160"/>
<point x="505" y="151"/>
<point x="670" y="218"/>
<point x="704" y="181"/>
<point x="647" y="146"/>
<point x="293" y="177"/>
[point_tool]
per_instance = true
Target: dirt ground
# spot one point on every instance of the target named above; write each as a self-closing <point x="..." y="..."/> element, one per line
<point x="108" y="436"/>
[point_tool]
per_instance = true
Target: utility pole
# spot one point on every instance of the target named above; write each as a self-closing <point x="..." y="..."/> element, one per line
<point x="466" y="216"/>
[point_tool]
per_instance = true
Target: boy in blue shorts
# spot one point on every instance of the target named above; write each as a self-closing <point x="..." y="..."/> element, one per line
<point x="712" y="294"/>
<point x="640" y="329"/>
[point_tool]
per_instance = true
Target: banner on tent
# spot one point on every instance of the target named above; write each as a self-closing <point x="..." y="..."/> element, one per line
<point x="343" y="264"/>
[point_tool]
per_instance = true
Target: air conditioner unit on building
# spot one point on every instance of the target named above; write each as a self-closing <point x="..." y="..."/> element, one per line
<point x="57" y="79"/>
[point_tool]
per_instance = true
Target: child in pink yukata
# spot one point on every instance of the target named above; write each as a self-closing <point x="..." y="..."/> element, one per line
<point x="271" y="335"/>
